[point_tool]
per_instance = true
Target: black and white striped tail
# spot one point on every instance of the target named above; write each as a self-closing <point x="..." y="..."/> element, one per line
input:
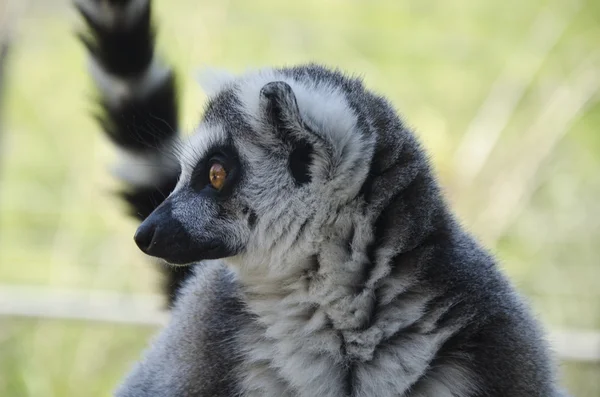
<point x="138" y="102"/>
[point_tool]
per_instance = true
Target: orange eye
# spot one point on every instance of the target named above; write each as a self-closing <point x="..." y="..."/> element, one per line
<point x="217" y="175"/>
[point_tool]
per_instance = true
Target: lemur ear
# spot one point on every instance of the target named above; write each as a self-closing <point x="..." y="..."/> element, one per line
<point x="280" y="109"/>
<point x="279" y="106"/>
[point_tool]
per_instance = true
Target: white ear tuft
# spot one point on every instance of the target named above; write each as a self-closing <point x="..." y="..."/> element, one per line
<point x="213" y="80"/>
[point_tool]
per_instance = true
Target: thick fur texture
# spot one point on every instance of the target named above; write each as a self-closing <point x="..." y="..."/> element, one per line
<point x="342" y="271"/>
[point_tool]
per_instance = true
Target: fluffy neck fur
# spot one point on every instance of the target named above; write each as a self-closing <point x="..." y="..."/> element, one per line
<point x="333" y="301"/>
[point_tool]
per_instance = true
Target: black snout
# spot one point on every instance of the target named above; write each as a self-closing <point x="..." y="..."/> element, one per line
<point x="163" y="236"/>
<point x="144" y="236"/>
<point x="160" y="234"/>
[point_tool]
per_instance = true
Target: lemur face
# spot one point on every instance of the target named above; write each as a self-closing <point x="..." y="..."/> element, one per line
<point x="267" y="164"/>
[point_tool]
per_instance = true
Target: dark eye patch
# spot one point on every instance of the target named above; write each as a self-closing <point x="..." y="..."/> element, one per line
<point x="299" y="161"/>
<point x="225" y="155"/>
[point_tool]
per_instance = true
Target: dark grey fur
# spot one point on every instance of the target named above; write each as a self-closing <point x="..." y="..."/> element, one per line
<point x="344" y="273"/>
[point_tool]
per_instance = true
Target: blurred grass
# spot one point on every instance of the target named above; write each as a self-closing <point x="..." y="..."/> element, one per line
<point x="436" y="60"/>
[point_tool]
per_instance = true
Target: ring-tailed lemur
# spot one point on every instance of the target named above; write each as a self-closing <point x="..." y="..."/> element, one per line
<point x="343" y="271"/>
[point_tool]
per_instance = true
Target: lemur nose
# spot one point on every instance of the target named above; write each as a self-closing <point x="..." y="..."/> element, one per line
<point x="159" y="232"/>
<point x="144" y="236"/>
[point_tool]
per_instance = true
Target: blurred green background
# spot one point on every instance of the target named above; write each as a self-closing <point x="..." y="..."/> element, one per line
<point x="504" y="94"/>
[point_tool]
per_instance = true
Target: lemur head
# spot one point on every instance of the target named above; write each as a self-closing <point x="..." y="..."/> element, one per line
<point x="277" y="154"/>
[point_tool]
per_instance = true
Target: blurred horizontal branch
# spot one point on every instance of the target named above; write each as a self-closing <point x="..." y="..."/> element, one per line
<point x="102" y="306"/>
<point x="575" y="345"/>
<point x="137" y="309"/>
